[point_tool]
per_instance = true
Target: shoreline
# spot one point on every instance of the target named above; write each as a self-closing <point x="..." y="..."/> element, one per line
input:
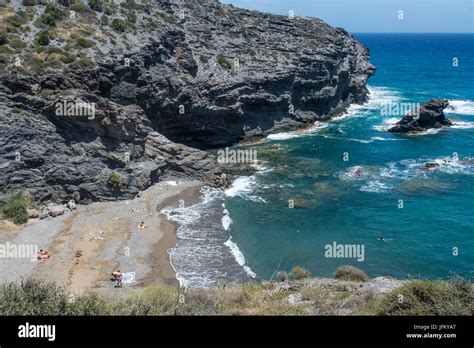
<point x="87" y="244"/>
<point x="170" y="229"/>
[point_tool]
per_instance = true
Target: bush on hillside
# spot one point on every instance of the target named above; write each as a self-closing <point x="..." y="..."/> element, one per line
<point x="298" y="273"/>
<point x="119" y="25"/>
<point x="115" y="179"/>
<point x="350" y="273"/>
<point x="16" y="209"/>
<point x="282" y="276"/>
<point x="424" y="297"/>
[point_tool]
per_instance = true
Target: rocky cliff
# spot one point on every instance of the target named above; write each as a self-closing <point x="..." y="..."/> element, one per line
<point x="139" y="89"/>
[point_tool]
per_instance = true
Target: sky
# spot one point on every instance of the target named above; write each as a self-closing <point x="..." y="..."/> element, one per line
<point x="364" y="16"/>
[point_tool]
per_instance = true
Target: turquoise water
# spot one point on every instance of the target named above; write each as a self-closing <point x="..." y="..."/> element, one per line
<point x="358" y="200"/>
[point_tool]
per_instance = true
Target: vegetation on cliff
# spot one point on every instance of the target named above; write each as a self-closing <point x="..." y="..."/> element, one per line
<point x="302" y="297"/>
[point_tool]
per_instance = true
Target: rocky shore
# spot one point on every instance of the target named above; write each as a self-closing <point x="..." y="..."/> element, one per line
<point x="104" y="116"/>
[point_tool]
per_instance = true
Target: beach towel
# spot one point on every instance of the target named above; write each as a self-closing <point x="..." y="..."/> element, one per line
<point x="128" y="278"/>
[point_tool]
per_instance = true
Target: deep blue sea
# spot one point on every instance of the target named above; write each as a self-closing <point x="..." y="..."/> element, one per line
<point x="351" y="181"/>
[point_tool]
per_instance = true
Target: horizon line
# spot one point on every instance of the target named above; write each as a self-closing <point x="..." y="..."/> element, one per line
<point x="412" y="32"/>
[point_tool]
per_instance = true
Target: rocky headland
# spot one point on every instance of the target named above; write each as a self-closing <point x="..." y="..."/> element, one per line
<point x="99" y="100"/>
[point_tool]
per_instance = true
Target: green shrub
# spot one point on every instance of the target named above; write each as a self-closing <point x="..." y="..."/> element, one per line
<point x="154" y="300"/>
<point x="16" y="210"/>
<point x="5" y="50"/>
<point x="18" y="19"/>
<point x="119" y="25"/>
<point x="115" y="179"/>
<point x="80" y="7"/>
<point x="299" y="273"/>
<point x="104" y="20"/>
<point x="109" y="11"/>
<point x="423" y="297"/>
<point x="3" y="38"/>
<point x="49" y="20"/>
<point x="350" y="273"/>
<point x="51" y="15"/>
<point x="31" y="297"/>
<point x="29" y="3"/>
<point x="17" y="43"/>
<point x="131" y="17"/>
<point x="131" y="5"/>
<point x="82" y="63"/>
<point x="223" y="62"/>
<point x="43" y="38"/>
<point x="282" y="276"/>
<point x="54" y="11"/>
<point x="65" y="3"/>
<point x="84" y="43"/>
<point x="87" y="305"/>
<point x="203" y="59"/>
<point x="67" y="57"/>
<point x="96" y="5"/>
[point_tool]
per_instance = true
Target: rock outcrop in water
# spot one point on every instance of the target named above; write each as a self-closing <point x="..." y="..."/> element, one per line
<point x="94" y="89"/>
<point x="427" y="116"/>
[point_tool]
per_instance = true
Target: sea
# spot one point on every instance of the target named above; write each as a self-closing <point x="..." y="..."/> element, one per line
<point x="348" y="184"/>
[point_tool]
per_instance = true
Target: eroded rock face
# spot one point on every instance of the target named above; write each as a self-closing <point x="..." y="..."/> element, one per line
<point x="212" y="79"/>
<point x="427" y="116"/>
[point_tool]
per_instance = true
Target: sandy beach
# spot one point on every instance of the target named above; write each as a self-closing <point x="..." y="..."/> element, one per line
<point x="89" y="243"/>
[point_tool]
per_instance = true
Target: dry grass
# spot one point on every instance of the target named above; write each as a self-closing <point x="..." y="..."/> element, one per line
<point x="420" y="297"/>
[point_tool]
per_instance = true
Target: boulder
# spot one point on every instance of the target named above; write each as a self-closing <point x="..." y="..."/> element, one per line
<point x="56" y="210"/>
<point x="33" y="213"/>
<point x="427" y="116"/>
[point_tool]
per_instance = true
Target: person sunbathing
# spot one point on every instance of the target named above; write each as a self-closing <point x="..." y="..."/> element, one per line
<point x="44" y="255"/>
<point x="118" y="277"/>
<point x="116" y="274"/>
